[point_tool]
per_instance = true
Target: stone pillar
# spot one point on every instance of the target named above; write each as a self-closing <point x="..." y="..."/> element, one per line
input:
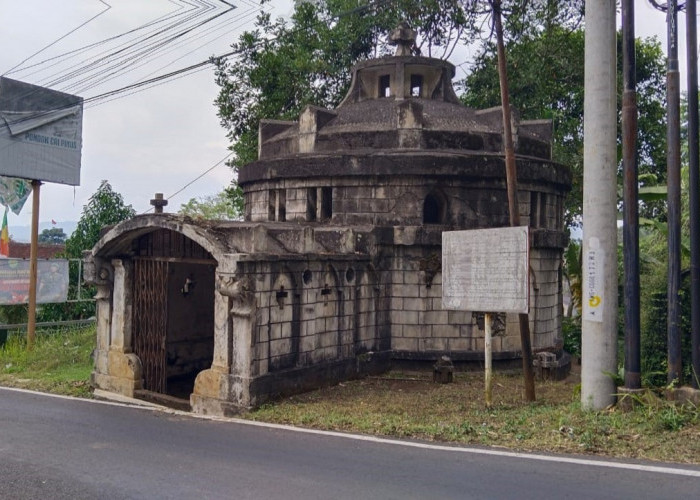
<point x="103" y="309"/>
<point x="124" y="368"/>
<point x="224" y="389"/>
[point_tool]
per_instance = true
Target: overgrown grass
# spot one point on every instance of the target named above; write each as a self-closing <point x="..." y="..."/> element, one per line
<point x="60" y="361"/>
<point x="417" y="408"/>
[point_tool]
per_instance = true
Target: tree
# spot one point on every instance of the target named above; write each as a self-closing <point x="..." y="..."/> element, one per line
<point x="105" y="208"/>
<point x="222" y="206"/>
<point x="280" y="67"/>
<point x="546" y="81"/>
<point x="53" y="236"/>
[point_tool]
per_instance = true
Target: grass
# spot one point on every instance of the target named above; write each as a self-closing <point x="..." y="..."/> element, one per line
<point x="410" y="405"/>
<point x="60" y="362"/>
<point x="414" y="407"/>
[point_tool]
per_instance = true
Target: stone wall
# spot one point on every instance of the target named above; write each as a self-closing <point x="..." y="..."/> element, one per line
<point x="313" y="312"/>
<point x="356" y="201"/>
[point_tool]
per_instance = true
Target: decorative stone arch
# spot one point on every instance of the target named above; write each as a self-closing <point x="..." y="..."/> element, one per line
<point x="366" y="335"/>
<point x="328" y="328"/>
<point x="284" y="323"/>
<point x="183" y="268"/>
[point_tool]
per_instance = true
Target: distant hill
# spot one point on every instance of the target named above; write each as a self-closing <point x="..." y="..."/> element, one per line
<point x="23" y="233"/>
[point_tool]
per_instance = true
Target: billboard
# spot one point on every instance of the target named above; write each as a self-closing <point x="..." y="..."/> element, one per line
<point x="52" y="281"/>
<point x="40" y="133"/>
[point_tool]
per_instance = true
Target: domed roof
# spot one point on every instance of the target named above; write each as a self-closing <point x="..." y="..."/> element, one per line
<point x="401" y="102"/>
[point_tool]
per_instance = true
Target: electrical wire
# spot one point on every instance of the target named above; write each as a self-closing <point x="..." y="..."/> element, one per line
<point x="194" y="180"/>
<point x="64" y="36"/>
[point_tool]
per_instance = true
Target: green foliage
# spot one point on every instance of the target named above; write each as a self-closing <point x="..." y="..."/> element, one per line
<point x="571" y="333"/>
<point x="226" y="205"/>
<point x="105" y="208"/>
<point x="53" y="236"/>
<point x="13" y="314"/>
<point x="545" y="73"/>
<point x="281" y="66"/>
<point x="60" y="361"/>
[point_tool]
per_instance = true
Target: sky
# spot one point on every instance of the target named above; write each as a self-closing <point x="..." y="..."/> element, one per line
<point x="163" y="138"/>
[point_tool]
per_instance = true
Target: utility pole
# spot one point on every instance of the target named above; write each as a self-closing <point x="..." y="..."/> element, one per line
<point x="599" y="318"/>
<point x="694" y="201"/>
<point x="630" y="227"/>
<point x="673" y="179"/>
<point x="512" y="187"/>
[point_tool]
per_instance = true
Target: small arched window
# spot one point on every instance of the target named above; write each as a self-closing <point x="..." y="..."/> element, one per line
<point x="434" y="209"/>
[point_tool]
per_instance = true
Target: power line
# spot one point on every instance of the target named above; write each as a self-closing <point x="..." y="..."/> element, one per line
<point x="64" y="36"/>
<point x="194" y="180"/>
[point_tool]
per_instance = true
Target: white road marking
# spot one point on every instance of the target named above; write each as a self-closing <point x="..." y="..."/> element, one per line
<point x="374" y="439"/>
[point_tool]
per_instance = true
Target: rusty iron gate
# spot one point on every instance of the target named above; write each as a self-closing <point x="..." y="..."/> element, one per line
<point x="150" y="320"/>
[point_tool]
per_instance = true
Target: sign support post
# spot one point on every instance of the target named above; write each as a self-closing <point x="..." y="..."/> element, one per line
<point x="33" y="250"/>
<point x="488" y="382"/>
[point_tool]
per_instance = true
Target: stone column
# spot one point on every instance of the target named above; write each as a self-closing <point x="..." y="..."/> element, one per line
<point x="125" y="372"/>
<point x="224" y="389"/>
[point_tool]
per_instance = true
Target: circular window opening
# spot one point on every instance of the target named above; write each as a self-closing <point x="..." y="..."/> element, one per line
<point x="350" y="275"/>
<point x="306" y="276"/>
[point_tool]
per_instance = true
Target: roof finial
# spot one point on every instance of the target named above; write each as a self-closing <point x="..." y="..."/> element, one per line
<point x="404" y="38"/>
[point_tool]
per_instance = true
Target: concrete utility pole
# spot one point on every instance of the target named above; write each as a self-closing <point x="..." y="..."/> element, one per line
<point x="599" y="320"/>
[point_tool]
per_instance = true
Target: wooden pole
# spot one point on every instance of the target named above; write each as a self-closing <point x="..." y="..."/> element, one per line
<point x="488" y="382"/>
<point x="31" y="312"/>
<point x="512" y="187"/>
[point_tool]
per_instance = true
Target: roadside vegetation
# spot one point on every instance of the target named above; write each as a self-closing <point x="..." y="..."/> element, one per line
<point x="410" y="405"/>
<point x="60" y="362"/>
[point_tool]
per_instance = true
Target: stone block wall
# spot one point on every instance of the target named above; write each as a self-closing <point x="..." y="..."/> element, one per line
<point x="420" y="325"/>
<point x="313" y="312"/>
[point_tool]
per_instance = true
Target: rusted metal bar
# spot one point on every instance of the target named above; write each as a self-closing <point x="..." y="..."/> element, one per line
<point x="673" y="177"/>
<point x="694" y="167"/>
<point x="630" y="231"/>
<point x="512" y="187"/>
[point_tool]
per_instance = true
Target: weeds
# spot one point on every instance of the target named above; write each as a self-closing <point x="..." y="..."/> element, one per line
<point x="60" y="362"/>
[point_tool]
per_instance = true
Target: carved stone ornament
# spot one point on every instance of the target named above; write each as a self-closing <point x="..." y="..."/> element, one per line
<point x="239" y="289"/>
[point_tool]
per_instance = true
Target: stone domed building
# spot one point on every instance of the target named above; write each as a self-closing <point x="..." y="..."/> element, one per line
<point x="335" y="271"/>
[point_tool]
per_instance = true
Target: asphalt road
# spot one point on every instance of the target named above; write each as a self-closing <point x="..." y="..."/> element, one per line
<point x="56" y="448"/>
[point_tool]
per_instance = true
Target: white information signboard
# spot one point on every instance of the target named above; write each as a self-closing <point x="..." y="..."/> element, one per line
<point x="486" y="270"/>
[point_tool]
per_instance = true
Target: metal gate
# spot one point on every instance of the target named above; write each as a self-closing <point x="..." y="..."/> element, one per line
<point x="150" y="320"/>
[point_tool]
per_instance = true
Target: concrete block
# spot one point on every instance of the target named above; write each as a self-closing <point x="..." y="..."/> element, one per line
<point x="404" y="344"/>
<point x="444" y="331"/>
<point x="432" y="344"/>
<point x="455" y="344"/>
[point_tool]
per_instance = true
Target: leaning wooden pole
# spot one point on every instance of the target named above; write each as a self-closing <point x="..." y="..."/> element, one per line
<point x="31" y="312"/>
<point x="512" y="186"/>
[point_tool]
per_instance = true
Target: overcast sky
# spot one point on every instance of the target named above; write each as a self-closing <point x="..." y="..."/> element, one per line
<point x="161" y="139"/>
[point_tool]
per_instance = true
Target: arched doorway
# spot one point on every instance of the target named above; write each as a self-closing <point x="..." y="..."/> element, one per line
<point x="173" y="311"/>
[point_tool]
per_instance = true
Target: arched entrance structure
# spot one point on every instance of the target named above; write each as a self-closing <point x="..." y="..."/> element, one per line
<point x="157" y="306"/>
